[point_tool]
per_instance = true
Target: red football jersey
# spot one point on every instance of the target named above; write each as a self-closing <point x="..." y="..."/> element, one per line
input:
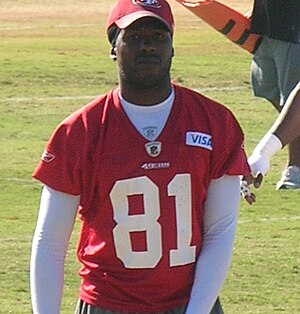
<point x="141" y="202"/>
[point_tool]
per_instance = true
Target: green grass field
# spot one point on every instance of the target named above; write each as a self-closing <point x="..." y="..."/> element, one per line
<point x="53" y="60"/>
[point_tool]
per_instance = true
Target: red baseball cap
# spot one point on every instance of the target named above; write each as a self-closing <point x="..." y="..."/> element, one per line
<point x="126" y="12"/>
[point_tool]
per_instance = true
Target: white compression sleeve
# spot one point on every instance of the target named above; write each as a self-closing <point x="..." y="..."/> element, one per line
<point x="49" y="246"/>
<point x="259" y="160"/>
<point x="220" y="218"/>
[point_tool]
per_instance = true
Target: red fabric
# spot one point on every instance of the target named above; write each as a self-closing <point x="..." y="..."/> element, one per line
<point x="126" y="12"/>
<point x="128" y="195"/>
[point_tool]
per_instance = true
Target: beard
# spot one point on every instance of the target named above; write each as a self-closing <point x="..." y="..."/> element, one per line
<point x="138" y="79"/>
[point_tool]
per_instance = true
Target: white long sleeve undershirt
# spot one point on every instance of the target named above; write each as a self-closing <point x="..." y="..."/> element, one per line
<point x="220" y="219"/>
<point x="55" y="224"/>
<point x="49" y="247"/>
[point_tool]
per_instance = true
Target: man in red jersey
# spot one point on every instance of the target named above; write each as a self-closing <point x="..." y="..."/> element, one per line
<point x="153" y="170"/>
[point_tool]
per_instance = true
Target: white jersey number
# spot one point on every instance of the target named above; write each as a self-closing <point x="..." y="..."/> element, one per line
<point x="180" y="187"/>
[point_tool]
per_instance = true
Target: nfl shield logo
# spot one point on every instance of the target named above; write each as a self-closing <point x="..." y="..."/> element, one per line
<point x="153" y="148"/>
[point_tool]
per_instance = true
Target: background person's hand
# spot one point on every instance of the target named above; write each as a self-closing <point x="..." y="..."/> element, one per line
<point x="259" y="164"/>
<point x="257" y="181"/>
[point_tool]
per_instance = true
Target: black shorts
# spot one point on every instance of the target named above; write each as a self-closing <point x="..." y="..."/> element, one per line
<point x="84" y="308"/>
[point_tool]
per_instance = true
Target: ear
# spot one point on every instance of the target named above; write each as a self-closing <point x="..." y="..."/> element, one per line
<point x="113" y="54"/>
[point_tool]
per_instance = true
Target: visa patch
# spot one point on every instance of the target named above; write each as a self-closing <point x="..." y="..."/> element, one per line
<point x="199" y="139"/>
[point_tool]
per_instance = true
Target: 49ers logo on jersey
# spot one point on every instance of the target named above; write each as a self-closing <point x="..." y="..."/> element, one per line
<point x="147" y="3"/>
<point x="153" y="148"/>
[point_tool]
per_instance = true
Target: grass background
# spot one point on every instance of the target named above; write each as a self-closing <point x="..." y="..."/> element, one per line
<point x="54" y="59"/>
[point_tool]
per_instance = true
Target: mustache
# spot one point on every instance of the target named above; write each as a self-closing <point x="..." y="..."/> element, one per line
<point x="147" y="58"/>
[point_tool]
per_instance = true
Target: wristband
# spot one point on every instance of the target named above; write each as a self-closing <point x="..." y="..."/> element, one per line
<point x="269" y="145"/>
<point x="259" y="161"/>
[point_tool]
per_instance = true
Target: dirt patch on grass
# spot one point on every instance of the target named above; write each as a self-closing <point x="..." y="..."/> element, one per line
<point x="38" y="12"/>
<point x="31" y="11"/>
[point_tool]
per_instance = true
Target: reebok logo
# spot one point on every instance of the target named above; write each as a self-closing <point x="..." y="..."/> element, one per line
<point x="199" y="139"/>
<point x="47" y="157"/>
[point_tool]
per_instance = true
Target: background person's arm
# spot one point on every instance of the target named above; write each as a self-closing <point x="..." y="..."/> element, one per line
<point x="287" y="125"/>
<point x="284" y="130"/>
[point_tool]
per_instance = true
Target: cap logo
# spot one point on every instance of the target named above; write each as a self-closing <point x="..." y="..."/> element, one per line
<point x="148" y="3"/>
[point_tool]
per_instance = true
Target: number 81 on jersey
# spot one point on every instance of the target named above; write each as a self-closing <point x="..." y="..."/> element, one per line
<point x="180" y="187"/>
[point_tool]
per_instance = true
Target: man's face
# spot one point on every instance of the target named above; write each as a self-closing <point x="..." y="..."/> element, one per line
<point x="144" y="52"/>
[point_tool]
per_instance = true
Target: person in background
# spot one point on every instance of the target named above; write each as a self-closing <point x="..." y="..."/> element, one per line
<point x="284" y="130"/>
<point x="275" y="69"/>
<point x="153" y="170"/>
